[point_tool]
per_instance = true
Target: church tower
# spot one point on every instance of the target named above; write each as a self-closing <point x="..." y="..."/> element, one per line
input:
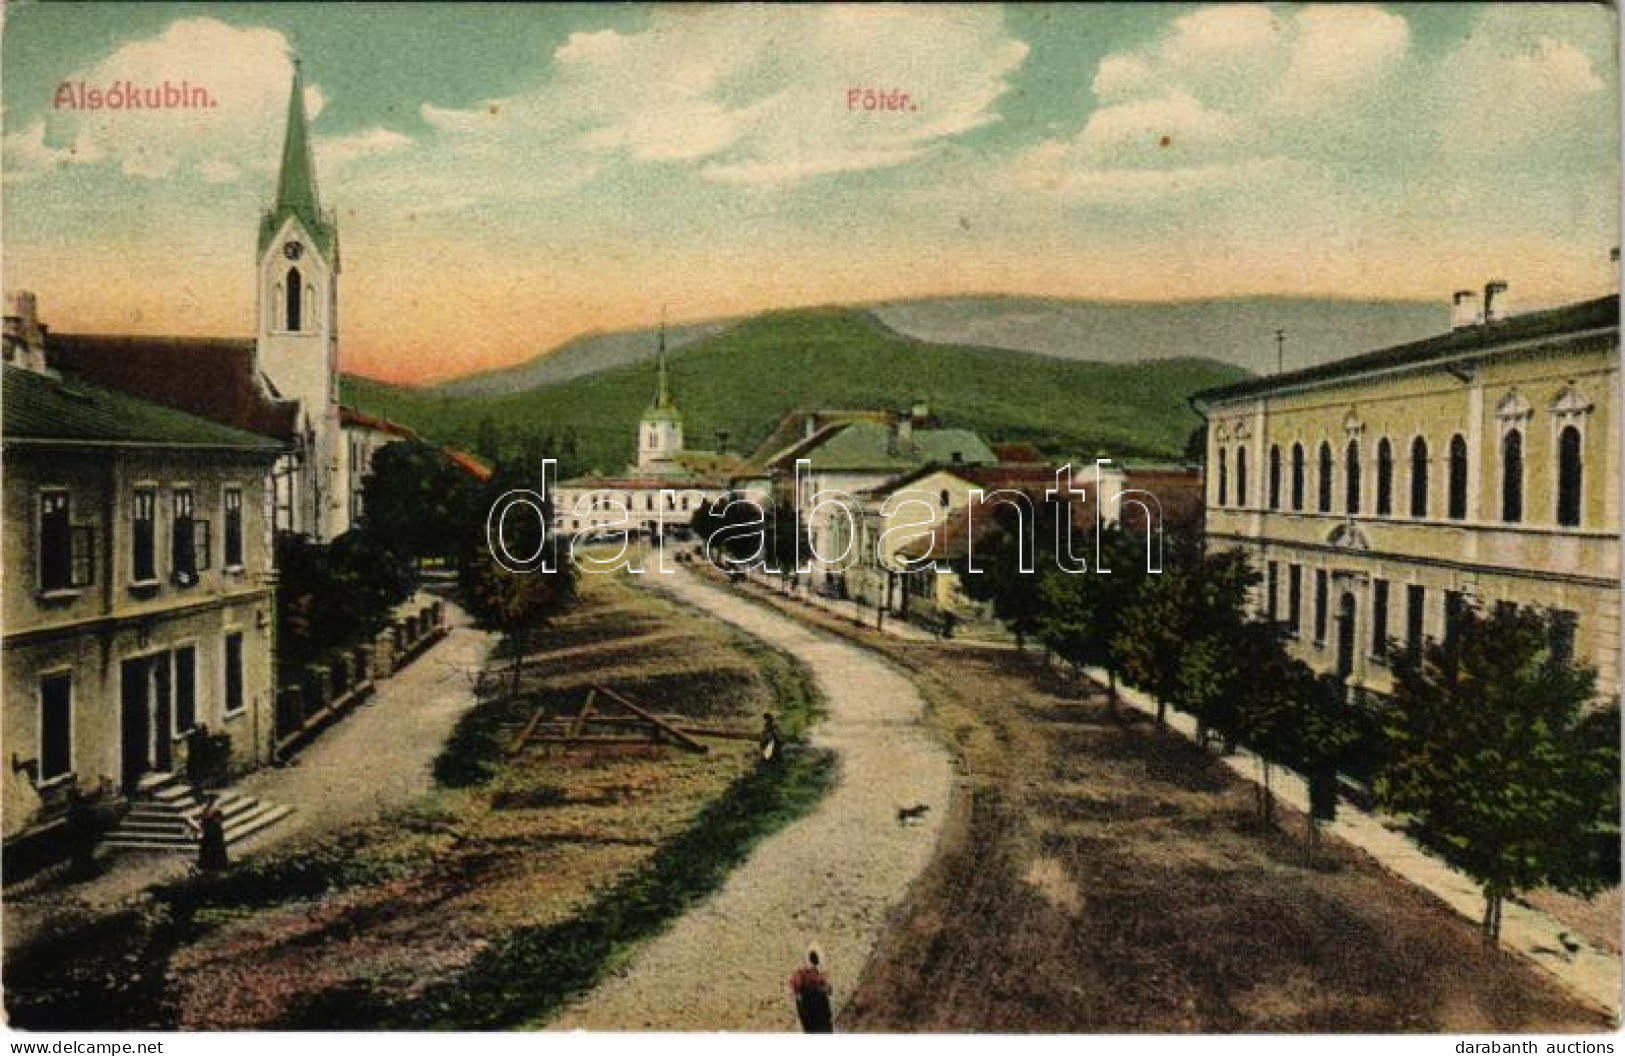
<point x="660" y="431"/>
<point x="297" y="310"/>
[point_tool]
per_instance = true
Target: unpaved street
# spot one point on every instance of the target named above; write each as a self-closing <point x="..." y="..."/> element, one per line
<point x="830" y="879"/>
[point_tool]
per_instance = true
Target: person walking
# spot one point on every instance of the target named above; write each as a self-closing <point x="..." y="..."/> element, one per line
<point x="769" y="742"/>
<point x="810" y="988"/>
<point x="210" y="827"/>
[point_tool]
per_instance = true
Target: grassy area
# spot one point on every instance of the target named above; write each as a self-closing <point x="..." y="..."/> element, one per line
<point x="511" y="886"/>
<point x="1098" y="875"/>
<point x="744" y="379"/>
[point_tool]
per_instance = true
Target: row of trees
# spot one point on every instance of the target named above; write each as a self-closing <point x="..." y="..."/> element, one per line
<point x="419" y="509"/>
<point x="1491" y="741"/>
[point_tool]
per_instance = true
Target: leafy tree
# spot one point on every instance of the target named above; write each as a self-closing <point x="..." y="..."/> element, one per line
<point x="1496" y="751"/>
<point x="334" y="595"/>
<point x="416" y="503"/>
<point x="516" y="604"/>
<point x="999" y="580"/>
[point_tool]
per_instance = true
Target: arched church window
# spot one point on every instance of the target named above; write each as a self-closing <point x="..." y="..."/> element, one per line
<point x="1351" y="478"/>
<point x="295" y="299"/>
<point x="1325" y="481"/>
<point x="1241" y="476"/>
<point x="1275" y="476"/>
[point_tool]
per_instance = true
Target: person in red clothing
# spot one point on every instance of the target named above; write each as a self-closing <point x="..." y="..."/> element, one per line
<point x="811" y="991"/>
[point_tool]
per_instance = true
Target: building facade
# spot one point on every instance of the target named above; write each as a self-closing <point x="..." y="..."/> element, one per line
<point x="139" y="595"/>
<point x="1379" y="494"/>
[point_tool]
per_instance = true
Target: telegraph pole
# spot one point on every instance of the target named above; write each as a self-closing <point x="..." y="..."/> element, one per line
<point x="1280" y="351"/>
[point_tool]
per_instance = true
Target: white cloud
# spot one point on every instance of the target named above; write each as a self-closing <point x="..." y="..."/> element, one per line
<point x="1143" y="123"/>
<point x="335" y="152"/>
<point x="758" y="95"/>
<point x="245" y="71"/>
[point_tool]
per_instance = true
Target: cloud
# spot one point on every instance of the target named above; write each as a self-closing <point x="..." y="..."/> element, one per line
<point x="333" y="153"/>
<point x="245" y="71"/>
<point x="757" y="95"/>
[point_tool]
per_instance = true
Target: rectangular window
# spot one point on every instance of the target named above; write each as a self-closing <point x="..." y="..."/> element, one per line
<point x="234" y="673"/>
<point x="1379" y="617"/>
<point x="1415" y="602"/>
<point x="232" y="542"/>
<point x="1564" y="627"/>
<point x="1272" y="577"/>
<point x="182" y="549"/>
<point x="1320" y="605"/>
<point x="144" y="536"/>
<point x="1452" y="617"/>
<point x="1294" y="598"/>
<point x="55" y="542"/>
<point x="56" y="726"/>
<point x="185" y="689"/>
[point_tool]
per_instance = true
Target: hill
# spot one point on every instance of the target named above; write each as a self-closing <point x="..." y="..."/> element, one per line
<point x="743" y="379"/>
<point x="1238" y="330"/>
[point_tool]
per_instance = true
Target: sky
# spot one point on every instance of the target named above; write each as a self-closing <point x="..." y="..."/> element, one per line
<point x="507" y="177"/>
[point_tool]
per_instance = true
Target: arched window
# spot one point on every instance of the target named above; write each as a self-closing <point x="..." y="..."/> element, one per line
<point x="1512" y="477"/>
<point x="295" y="288"/>
<point x="1297" y="476"/>
<point x="1458" y="478"/>
<point x="1351" y="478"/>
<point x="1385" y="477"/>
<point x="1241" y="476"/>
<point x="1275" y="476"/>
<point x="1419" y="477"/>
<point x="1224" y="477"/>
<point x="1570" y="476"/>
<point x="1325" y="481"/>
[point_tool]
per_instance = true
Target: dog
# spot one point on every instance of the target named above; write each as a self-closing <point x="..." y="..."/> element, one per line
<point x="905" y="815"/>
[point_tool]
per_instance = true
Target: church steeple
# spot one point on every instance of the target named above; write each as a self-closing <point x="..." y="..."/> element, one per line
<point x="660" y="433"/>
<point x="296" y="179"/>
<point x="663" y="400"/>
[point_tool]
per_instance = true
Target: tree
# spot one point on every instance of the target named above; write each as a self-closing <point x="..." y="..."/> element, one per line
<point x="416" y="503"/>
<point x="1161" y="618"/>
<point x="516" y="604"/>
<point x="1496" y="750"/>
<point x="334" y="594"/>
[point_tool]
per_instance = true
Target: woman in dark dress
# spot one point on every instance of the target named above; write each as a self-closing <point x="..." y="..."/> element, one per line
<point x="211" y="829"/>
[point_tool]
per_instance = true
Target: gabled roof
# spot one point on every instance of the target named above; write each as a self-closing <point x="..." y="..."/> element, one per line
<point x="872" y="446"/>
<point x="793" y="429"/>
<point x="352" y="417"/>
<point x="1555" y="323"/>
<point x="40" y="409"/>
<point x="210" y="377"/>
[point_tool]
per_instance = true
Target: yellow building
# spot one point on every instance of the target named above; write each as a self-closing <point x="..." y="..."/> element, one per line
<point x="1380" y="492"/>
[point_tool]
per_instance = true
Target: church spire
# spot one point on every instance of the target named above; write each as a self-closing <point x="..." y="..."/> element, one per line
<point x="296" y="183"/>
<point x="663" y="382"/>
<point x="296" y="178"/>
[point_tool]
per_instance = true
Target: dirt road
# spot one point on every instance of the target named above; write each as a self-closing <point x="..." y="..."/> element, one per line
<point x="829" y="880"/>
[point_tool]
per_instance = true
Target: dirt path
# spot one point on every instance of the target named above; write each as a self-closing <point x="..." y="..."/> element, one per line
<point x="830" y="879"/>
<point x="346" y="776"/>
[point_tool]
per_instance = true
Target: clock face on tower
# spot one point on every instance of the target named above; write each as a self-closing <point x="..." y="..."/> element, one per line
<point x="293" y="250"/>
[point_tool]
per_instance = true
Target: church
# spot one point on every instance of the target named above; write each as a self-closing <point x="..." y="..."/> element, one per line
<point x="657" y="495"/>
<point x="283" y="383"/>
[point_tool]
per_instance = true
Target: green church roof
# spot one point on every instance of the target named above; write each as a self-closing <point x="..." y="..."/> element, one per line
<point x="663" y="408"/>
<point x="296" y="181"/>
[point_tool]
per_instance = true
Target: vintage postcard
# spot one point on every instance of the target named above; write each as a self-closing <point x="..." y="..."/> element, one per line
<point x="1022" y="519"/>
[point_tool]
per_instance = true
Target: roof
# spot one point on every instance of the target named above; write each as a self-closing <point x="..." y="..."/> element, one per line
<point x="296" y="180"/>
<point x="794" y="428"/>
<point x="1555" y="323"/>
<point x="210" y="377"/>
<point x="467" y="463"/>
<point x="1017" y="451"/>
<point x="873" y="446"/>
<point x="352" y="417"/>
<point x="1024" y="476"/>
<point x="39" y="408"/>
<point x="638" y="483"/>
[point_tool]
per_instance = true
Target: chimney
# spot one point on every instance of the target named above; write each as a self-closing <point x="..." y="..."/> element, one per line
<point x="722" y="441"/>
<point x="1464" y="310"/>
<point x="1493" y="312"/>
<point x="920" y="412"/>
<point x="24" y="337"/>
<point x="903" y="432"/>
<point x="809" y="426"/>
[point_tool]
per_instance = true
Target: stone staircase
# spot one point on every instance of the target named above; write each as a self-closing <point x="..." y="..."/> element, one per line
<point x="164" y="804"/>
